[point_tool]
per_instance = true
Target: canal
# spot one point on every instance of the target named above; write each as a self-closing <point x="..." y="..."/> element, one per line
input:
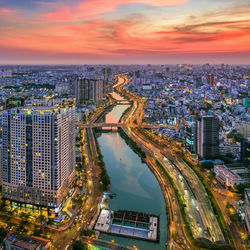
<point x="135" y="186"/>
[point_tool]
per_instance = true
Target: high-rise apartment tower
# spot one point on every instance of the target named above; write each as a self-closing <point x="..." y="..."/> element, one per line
<point x="89" y="91"/>
<point x="208" y="136"/>
<point x="38" y="154"/>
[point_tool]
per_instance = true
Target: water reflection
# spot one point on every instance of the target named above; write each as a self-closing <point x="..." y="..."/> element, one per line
<point x="115" y="114"/>
<point x="136" y="187"/>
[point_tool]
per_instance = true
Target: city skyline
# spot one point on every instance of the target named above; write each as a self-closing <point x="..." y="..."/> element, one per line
<point x="142" y="152"/>
<point x="129" y="31"/>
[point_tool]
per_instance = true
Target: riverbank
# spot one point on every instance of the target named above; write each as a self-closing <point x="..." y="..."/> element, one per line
<point x="104" y="177"/>
<point x="125" y="112"/>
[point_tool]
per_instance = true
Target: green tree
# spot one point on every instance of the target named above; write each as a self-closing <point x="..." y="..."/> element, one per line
<point x="24" y="216"/>
<point x="78" y="245"/>
<point x="3" y="233"/>
<point x="41" y="218"/>
<point x="79" y="167"/>
<point x="87" y="232"/>
<point x="21" y="229"/>
<point x="37" y="232"/>
<point x="50" y="221"/>
<point x="10" y="212"/>
<point x="237" y="137"/>
<point x="241" y="187"/>
<point x="3" y="206"/>
<point x="207" y="165"/>
<point x="230" y="155"/>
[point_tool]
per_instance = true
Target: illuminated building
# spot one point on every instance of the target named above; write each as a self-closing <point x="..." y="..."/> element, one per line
<point x="190" y="136"/>
<point x="38" y="154"/>
<point x="246" y="102"/>
<point x="210" y="79"/>
<point x="14" y="102"/>
<point x="208" y="136"/>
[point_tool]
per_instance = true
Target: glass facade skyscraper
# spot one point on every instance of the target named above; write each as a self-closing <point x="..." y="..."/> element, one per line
<point x="208" y="137"/>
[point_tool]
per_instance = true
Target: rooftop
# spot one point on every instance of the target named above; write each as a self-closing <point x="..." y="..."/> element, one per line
<point x="226" y="172"/>
<point x="24" y="242"/>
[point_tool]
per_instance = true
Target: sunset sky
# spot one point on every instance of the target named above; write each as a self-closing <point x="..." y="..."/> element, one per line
<point x="124" y="31"/>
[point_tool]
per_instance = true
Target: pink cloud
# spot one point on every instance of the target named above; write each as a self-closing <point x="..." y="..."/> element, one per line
<point x="7" y="14"/>
<point x="123" y="38"/>
<point x="95" y="8"/>
<point x="5" y="11"/>
<point x="64" y="14"/>
<point x="128" y="37"/>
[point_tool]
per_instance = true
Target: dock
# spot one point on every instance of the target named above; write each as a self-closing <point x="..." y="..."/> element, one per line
<point x="129" y="224"/>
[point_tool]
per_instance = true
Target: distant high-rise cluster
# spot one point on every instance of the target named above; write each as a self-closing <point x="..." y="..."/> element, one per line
<point x="38" y="154"/>
<point x="88" y="91"/>
<point x="107" y="72"/>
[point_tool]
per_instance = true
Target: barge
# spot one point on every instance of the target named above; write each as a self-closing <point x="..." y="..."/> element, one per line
<point x="129" y="224"/>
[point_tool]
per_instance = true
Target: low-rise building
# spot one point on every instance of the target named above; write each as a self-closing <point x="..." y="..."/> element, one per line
<point x="18" y="242"/>
<point x="227" y="177"/>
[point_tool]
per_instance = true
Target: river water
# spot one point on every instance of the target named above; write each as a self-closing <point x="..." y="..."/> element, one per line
<point x="135" y="186"/>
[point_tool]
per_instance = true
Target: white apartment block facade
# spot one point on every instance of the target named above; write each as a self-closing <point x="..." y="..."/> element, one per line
<point x="38" y="163"/>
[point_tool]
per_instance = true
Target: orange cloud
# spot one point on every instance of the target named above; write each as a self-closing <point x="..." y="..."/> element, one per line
<point x="81" y="30"/>
<point x="126" y="38"/>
